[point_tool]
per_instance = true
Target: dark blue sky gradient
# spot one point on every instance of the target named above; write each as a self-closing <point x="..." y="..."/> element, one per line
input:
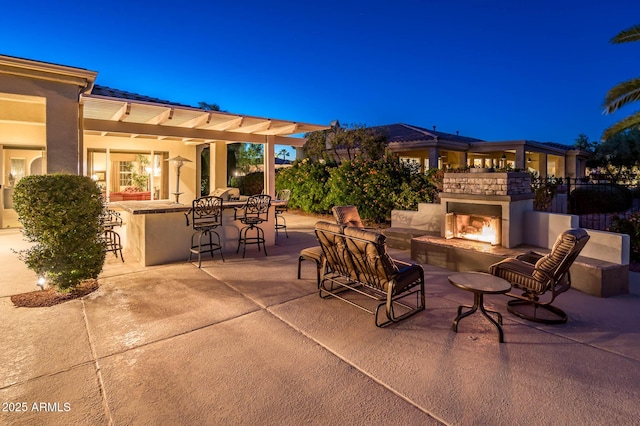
<point x="494" y="70"/>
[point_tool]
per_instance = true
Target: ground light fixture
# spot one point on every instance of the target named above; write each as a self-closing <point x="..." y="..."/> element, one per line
<point x="179" y="162"/>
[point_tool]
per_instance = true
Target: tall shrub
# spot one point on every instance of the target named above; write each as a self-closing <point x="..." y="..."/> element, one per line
<point x="61" y="214"/>
<point x="378" y="186"/>
<point x="307" y="181"/>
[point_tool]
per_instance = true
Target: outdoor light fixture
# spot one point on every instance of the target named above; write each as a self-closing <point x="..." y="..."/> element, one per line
<point x="179" y="162"/>
<point x="42" y="283"/>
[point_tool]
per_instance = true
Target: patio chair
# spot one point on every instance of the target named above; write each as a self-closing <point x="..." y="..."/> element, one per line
<point x="541" y="278"/>
<point x="206" y="216"/>
<point x="109" y="219"/>
<point x="255" y="212"/>
<point x="348" y="216"/>
<point x="281" y="222"/>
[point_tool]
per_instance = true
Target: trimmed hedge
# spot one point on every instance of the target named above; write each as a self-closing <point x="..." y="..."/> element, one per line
<point x="60" y="213"/>
<point x="600" y="199"/>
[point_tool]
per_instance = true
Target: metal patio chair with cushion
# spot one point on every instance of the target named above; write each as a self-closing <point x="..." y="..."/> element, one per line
<point x="348" y="216"/>
<point x="542" y="278"/>
<point x="356" y="260"/>
<point x="281" y="222"/>
<point x="206" y="216"/>
<point x="254" y="213"/>
<point x="109" y="220"/>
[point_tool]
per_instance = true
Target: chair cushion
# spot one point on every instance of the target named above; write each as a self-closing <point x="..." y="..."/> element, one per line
<point x="312" y="253"/>
<point x="348" y="216"/>
<point x="564" y="245"/>
<point x="376" y="252"/>
<point x="518" y="273"/>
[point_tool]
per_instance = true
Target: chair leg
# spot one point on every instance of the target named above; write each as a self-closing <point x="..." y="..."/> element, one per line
<point x="243" y="239"/>
<point x="210" y="247"/>
<point x="536" y="312"/>
<point x="282" y="225"/>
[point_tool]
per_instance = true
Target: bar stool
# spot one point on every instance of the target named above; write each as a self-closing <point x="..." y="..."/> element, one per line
<point x="111" y="239"/>
<point x="255" y="211"/>
<point x="206" y="215"/>
<point x="281" y="222"/>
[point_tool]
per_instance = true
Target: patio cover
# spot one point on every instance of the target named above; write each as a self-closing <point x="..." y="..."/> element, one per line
<point x="110" y="112"/>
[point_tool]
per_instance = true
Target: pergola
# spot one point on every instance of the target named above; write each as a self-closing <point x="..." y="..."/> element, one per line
<point x="114" y="113"/>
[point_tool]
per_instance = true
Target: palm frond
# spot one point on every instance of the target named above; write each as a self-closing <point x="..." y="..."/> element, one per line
<point x="628" y="35"/>
<point x="631" y="122"/>
<point x="622" y="94"/>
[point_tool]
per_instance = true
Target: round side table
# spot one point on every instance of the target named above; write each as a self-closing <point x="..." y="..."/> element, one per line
<point x="479" y="283"/>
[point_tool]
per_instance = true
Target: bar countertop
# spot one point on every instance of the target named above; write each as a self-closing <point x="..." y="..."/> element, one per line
<point x="165" y="206"/>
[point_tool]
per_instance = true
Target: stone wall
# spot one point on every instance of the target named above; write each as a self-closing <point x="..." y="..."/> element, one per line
<point x="512" y="183"/>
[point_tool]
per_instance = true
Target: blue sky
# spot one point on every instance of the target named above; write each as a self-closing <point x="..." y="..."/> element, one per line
<point x="494" y="70"/>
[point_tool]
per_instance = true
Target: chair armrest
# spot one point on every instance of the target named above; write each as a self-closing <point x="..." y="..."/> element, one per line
<point x="530" y="257"/>
<point x="235" y="212"/>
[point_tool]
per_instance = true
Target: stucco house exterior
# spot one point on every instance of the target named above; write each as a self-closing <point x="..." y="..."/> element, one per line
<point x="54" y="118"/>
<point x="435" y="149"/>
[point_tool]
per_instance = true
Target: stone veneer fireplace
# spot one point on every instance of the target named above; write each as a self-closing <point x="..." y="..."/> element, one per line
<point x="486" y="206"/>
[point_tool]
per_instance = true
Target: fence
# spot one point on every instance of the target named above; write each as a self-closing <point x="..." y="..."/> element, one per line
<point x="594" y="201"/>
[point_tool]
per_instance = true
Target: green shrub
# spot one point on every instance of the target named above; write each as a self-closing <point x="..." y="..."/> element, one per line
<point x="307" y="181"/>
<point x="249" y="184"/>
<point x="61" y="215"/>
<point x="375" y="186"/>
<point x="628" y="225"/>
<point x="600" y="199"/>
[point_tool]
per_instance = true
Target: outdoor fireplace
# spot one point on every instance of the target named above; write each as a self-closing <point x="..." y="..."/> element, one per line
<point x="473" y="227"/>
<point x="486" y="207"/>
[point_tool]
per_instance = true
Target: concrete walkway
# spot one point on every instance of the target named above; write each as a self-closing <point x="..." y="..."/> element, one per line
<point x="245" y="342"/>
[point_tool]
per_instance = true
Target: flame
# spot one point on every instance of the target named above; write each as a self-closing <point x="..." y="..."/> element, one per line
<point x="486" y="235"/>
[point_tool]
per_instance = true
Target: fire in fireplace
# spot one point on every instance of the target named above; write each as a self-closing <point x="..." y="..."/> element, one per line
<point x="473" y="227"/>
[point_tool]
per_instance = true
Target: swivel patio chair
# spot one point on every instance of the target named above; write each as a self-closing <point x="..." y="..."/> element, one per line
<point x="541" y="278"/>
<point x="281" y="222"/>
<point x="254" y="213"/>
<point x="109" y="219"/>
<point x="206" y="216"/>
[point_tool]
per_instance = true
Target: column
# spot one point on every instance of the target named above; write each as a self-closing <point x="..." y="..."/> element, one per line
<point x="521" y="158"/>
<point x="269" y="167"/>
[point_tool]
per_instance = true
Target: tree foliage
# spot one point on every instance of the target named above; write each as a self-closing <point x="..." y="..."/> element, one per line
<point x="340" y="143"/>
<point x="618" y="155"/>
<point x="623" y="93"/>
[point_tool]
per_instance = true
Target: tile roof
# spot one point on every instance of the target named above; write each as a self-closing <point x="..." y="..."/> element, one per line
<point x="122" y="94"/>
<point x="401" y="132"/>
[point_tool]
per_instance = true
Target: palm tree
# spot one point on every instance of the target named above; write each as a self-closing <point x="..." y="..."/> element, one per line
<point x="625" y="92"/>
<point x="283" y="153"/>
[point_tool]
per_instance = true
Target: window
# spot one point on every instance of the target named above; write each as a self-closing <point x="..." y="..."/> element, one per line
<point x="124" y="178"/>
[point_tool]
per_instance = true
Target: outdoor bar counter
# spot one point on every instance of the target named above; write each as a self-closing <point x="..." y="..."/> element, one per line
<point x="157" y="231"/>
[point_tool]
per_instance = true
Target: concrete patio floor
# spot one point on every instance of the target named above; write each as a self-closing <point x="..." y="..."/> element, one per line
<point x="245" y="342"/>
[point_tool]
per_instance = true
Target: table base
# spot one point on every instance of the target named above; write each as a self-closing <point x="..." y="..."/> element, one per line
<point x="478" y="302"/>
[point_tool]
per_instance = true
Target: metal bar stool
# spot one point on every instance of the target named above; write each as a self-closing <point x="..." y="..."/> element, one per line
<point x="206" y="215"/>
<point x="255" y="212"/>
<point x="111" y="239"/>
<point x="281" y="222"/>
